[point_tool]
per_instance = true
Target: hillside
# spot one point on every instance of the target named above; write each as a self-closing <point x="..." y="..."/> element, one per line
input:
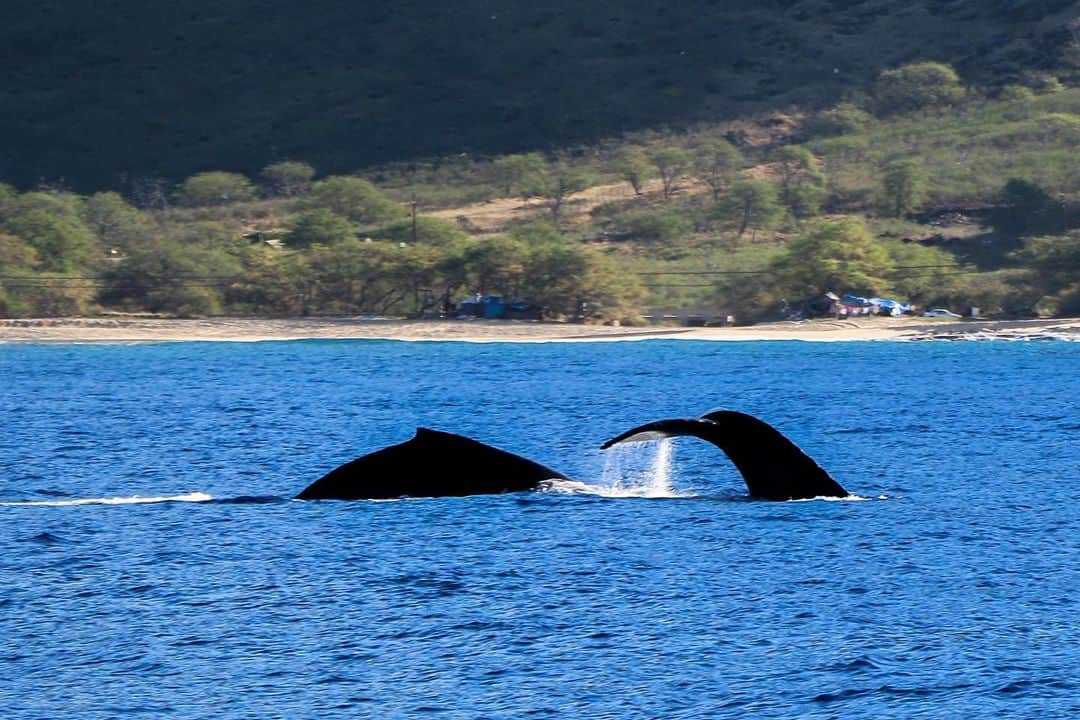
<point x="97" y="94"/>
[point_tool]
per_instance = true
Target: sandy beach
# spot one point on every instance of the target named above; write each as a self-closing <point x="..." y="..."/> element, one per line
<point x="122" y="329"/>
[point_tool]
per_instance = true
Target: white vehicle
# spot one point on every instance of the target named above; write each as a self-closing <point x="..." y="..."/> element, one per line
<point x="940" y="312"/>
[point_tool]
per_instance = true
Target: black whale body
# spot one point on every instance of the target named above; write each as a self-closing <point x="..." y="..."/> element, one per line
<point x="773" y="467"/>
<point x="431" y="464"/>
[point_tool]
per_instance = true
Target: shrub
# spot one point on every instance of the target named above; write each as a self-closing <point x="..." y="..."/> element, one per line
<point x="916" y="87"/>
<point x="844" y="119"/>
<point x="429" y="231"/>
<point x="287" y="178"/>
<point x="354" y="198"/>
<point x="1017" y="94"/>
<point x="903" y="185"/>
<point x="319" y="227"/>
<point x="1025" y="208"/>
<point x="661" y="227"/>
<point x="214" y="188"/>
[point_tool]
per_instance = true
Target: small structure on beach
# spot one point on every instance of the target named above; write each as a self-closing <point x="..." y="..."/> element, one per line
<point x="830" y="304"/>
<point x="496" y="307"/>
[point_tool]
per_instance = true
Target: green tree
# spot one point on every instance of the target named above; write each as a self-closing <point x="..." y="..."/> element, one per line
<point x="354" y="276"/>
<point x="208" y="235"/>
<point x="7" y="195"/>
<point x="917" y="86"/>
<point x="52" y="224"/>
<point x="802" y="183"/>
<point x="1055" y="264"/>
<point x="274" y="282"/>
<point x="18" y="260"/>
<point x="1026" y="208"/>
<point x="496" y="266"/>
<point x="742" y="291"/>
<point x="557" y="184"/>
<point x="655" y="227"/>
<point x="903" y="186"/>
<point x="554" y="274"/>
<point x="1017" y="95"/>
<point x="838" y="255"/>
<point x="608" y="294"/>
<point x="214" y="188"/>
<point x="354" y="198"/>
<point x="287" y="178"/>
<point x="425" y="231"/>
<point x="116" y="223"/>
<point x="566" y="279"/>
<point x="671" y="163"/>
<point x="635" y="168"/>
<point x="844" y="119"/>
<point x="537" y="233"/>
<point x="417" y="274"/>
<point x="319" y="226"/>
<point x="517" y="173"/>
<point x="755" y="204"/>
<point x="16" y="255"/>
<point x="925" y="275"/>
<point x="716" y="163"/>
<point x="170" y="277"/>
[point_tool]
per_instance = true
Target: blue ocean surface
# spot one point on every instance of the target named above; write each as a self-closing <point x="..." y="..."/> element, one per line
<point x="152" y="564"/>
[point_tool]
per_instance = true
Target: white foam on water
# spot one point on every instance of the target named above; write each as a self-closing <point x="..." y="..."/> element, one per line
<point x="630" y="470"/>
<point x="196" y="497"/>
<point x="846" y="498"/>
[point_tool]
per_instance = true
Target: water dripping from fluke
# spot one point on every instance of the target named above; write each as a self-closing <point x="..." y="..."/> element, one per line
<point x="638" y="470"/>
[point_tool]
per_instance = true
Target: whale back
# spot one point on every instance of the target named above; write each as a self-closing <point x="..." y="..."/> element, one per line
<point x="432" y="464"/>
<point x="773" y="467"/>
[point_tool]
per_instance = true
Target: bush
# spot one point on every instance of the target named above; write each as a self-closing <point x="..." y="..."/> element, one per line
<point x="62" y="241"/>
<point x="916" y="87"/>
<point x="1025" y="208"/>
<point x="167" y="276"/>
<point x="1017" y="94"/>
<point x="838" y="255"/>
<point x="214" y="188"/>
<point x="116" y="222"/>
<point x="844" y="119"/>
<point x="319" y="227"/>
<point x="287" y="178"/>
<point x="802" y="183"/>
<point x="354" y="198"/>
<point x="429" y="231"/>
<point x="752" y="204"/>
<point x="903" y="185"/>
<point x="659" y="227"/>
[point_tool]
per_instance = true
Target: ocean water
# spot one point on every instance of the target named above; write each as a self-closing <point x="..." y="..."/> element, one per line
<point x="153" y="566"/>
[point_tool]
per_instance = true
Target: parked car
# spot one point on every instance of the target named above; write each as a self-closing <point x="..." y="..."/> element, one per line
<point x="940" y="312"/>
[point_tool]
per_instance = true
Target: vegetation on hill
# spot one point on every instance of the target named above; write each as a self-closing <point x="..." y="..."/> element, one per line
<point x="918" y="185"/>
<point x="112" y="94"/>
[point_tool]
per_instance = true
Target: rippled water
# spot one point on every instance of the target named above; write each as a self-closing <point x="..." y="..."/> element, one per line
<point x="152" y="566"/>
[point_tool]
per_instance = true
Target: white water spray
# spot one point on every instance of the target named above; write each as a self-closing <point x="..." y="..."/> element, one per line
<point x="136" y="500"/>
<point x="636" y="470"/>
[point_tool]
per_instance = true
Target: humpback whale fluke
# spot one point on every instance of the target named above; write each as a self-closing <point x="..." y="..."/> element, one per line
<point x="773" y="467"/>
<point x="431" y="464"/>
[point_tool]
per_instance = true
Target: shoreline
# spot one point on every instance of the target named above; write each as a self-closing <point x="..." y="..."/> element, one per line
<point x="244" y="329"/>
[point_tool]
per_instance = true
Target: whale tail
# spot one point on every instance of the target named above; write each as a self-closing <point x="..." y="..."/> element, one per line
<point x="773" y="467"/>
